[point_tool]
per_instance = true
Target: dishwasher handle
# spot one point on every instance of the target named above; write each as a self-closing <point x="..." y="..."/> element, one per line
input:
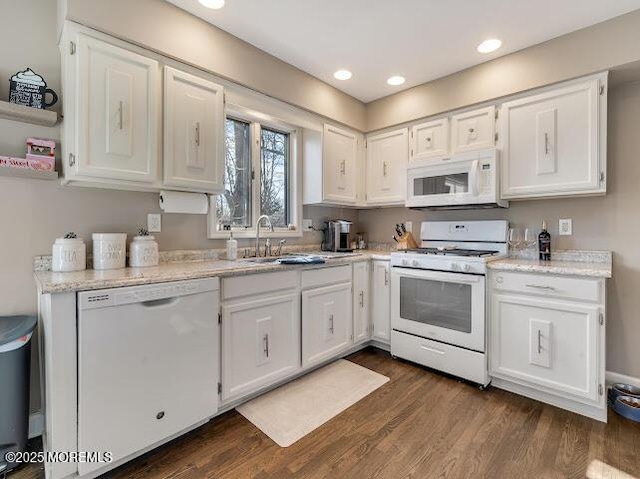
<point x="157" y="303"/>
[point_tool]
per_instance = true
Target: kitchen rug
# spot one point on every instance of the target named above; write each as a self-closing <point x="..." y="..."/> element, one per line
<point x="292" y="411"/>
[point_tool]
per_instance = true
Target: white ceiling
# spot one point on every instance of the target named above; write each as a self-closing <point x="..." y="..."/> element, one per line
<point x="418" y="39"/>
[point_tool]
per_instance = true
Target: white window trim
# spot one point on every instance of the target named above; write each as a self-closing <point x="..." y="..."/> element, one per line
<point x="257" y="119"/>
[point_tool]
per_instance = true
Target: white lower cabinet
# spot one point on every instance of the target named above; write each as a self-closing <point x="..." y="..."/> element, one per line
<point x="326" y="322"/>
<point x="381" y="301"/>
<point x="361" y="300"/>
<point x="540" y="344"/>
<point x="261" y="343"/>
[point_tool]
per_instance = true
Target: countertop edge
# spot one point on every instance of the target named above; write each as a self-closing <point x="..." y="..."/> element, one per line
<point x="604" y="270"/>
<point x="48" y="286"/>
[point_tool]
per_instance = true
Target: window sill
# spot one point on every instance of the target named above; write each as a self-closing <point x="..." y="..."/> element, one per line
<point x="251" y="234"/>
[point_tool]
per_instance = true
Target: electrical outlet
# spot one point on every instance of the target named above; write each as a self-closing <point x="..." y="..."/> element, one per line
<point x="409" y="226"/>
<point x="565" y="227"/>
<point x="154" y="222"/>
<point x="307" y="225"/>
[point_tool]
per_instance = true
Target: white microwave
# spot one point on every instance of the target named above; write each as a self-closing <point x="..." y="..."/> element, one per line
<point x="462" y="181"/>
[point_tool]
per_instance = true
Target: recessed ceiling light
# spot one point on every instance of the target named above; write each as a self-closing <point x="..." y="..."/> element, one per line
<point x="395" y="80"/>
<point x="490" y="45"/>
<point x="342" y="75"/>
<point x="213" y="4"/>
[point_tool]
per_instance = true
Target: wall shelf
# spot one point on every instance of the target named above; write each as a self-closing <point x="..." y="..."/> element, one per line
<point x="27" y="173"/>
<point x="25" y="114"/>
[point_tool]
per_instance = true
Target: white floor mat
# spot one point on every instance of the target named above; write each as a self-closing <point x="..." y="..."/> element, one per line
<point x="292" y="411"/>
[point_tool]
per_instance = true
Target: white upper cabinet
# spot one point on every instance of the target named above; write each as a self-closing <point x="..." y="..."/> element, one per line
<point x="430" y="140"/>
<point x="387" y="156"/>
<point x="554" y="143"/>
<point x="473" y="130"/>
<point x="193" y="132"/>
<point x="112" y="117"/>
<point x="339" y="155"/>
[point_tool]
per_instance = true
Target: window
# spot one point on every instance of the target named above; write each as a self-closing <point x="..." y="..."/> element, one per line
<point x="233" y="206"/>
<point x="259" y="178"/>
<point x="274" y="176"/>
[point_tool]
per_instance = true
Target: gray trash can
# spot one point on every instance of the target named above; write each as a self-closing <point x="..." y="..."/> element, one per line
<point x="15" y="361"/>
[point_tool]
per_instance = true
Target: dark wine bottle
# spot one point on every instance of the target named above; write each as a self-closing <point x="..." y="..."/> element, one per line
<point x="544" y="243"/>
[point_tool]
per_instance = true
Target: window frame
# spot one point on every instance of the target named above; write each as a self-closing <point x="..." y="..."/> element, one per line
<point x="257" y="120"/>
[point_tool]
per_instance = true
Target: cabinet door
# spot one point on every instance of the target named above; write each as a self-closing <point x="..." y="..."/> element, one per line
<point x="326" y="322"/>
<point x="361" y="295"/>
<point x="261" y="341"/>
<point x="381" y="301"/>
<point x="547" y="344"/>
<point x="193" y="132"/>
<point x="117" y="113"/>
<point x="339" y="155"/>
<point x="387" y="156"/>
<point x="551" y="143"/>
<point x="430" y="140"/>
<point x="473" y="130"/>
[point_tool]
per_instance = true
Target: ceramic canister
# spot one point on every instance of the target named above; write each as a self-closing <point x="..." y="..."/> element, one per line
<point x="69" y="254"/>
<point x="143" y="251"/>
<point x="109" y="250"/>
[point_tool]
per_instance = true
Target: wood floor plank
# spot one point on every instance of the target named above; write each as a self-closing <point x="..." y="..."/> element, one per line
<point x="420" y="424"/>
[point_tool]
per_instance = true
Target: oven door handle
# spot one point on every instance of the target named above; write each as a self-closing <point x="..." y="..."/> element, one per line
<point x="431" y="350"/>
<point x="444" y="276"/>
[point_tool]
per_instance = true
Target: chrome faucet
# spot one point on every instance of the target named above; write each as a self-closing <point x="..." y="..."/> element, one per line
<point x="263" y="217"/>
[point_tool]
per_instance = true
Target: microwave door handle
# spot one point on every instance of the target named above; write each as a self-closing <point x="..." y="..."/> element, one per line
<point x="473" y="178"/>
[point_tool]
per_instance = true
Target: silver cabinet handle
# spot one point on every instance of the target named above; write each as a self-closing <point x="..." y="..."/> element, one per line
<point x="384" y="168"/>
<point x="546" y="143"/>
<point x="343" y="167"/>
<point x="120" y="115"/>
<point x="197" y="133"/>
<point x="428" y="139"/>
<point x="331" y="327"/>
<point x="539" y="341"/>
<point x="362" y="299"/>
<point x="540" y="286"/>
<point x="386" y="277"/>
<point x="266" y="345"/>
<point x="471" y="130"/>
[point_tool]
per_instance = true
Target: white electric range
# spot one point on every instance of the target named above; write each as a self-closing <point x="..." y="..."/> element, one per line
<point x="438" y="296"/>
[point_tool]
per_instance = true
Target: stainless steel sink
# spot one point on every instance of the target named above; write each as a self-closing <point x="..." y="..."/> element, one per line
<point x="267" y="260"/>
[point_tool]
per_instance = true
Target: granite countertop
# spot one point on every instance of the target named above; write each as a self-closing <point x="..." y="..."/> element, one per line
<point x="592" y="264"/>
<point x="89" y="279"/>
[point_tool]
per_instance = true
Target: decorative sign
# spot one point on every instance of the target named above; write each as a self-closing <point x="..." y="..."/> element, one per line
<point x="29" y="89"/>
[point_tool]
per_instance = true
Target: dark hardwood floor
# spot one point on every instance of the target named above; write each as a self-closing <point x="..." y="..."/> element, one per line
<point x="419" y="425"/>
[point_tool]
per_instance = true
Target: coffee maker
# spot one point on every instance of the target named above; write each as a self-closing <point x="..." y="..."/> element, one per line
<point x="337" y="236"/>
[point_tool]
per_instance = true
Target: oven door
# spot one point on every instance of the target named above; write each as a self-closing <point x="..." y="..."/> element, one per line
<point x="445" y="307"/>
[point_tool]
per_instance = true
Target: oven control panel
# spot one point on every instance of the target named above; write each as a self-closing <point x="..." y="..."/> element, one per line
<point x="438" y="263"/>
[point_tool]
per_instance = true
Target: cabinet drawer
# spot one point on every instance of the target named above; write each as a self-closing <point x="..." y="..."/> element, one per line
<point x="314" y="278"/>
<point x="253" y="284"/>
<point x="440" y="356"/>
<point x="581" y="289"/>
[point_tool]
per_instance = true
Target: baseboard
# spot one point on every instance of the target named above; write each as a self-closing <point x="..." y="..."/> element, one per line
<point x="36" y="424"/>
<point x="612" y="378"/>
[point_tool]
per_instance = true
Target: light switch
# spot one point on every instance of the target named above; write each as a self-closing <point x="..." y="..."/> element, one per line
<point x="154" y="222"/>
<point x="565" y="227"/>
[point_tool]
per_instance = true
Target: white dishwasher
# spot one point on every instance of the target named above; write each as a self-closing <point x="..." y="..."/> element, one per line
<point x="148" y="364"/>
